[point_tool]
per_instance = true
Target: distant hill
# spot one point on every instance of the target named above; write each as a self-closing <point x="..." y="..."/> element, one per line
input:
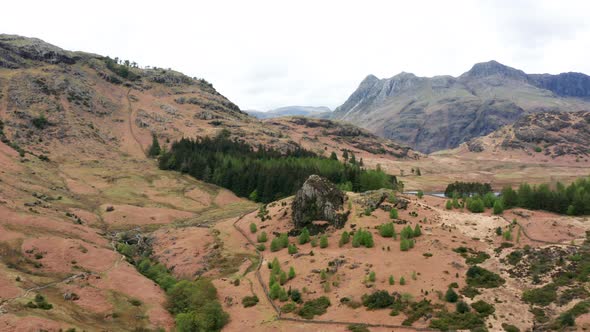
<point x="441" y="112"/>
<point x="310" y="111"/>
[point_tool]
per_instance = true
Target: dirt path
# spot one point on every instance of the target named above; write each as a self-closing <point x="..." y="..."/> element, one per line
<point x="131" y="116"/>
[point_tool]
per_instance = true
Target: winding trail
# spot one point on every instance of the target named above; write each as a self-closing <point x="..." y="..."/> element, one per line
<point x="131" y="116"/>
<point x="278" y="312"/>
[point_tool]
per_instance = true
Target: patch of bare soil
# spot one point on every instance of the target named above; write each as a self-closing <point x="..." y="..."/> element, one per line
<point x="129" y="215"/>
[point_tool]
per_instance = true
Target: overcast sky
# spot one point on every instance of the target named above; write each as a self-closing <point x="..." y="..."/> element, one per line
<point x="267" y="54"/>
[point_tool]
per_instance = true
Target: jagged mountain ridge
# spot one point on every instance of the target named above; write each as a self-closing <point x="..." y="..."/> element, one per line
<point x="441" y="112"/>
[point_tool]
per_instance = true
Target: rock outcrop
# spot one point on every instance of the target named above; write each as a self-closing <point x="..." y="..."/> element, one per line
<point x="318" y="200"/>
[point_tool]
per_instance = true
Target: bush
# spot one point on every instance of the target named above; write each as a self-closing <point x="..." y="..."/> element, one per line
<point x="275" y="244"/>
<point x="357" y="328"/>
<point x="420" y="194"/>
<point x="417" y="231"/>
<point x="449" y="205"/>
<point x="296" y="296"/>
<point x="253" y="228"/>
<point x="510" y="328"/>
<point x="482" y="278"/>
<point x="404" y="244"/>
<point x="372" y="276"/>
<point x="262" y="237"/>
<point x="291" y="273"/>
<point x="475" y="205"/>
<point x="462" y="307"/>
<point x="324" y="241"/>
<point x="393" y="214"/>
<point x="261" y="247"/>
<point x="387" y="230"/>
<point x="292" y="249"/>
<point x="483" y="308"/>
<point x="304" y="237"/>
<point x="451" y="296"/>
<point x="542" y="296"/>
<point x="314" y="307"/>
<point x="446" y="321"/>
<point x="402" y="281"/>
<point x="362" y="238"/>
<point x="498" y="207"/>
<point x="391" y="280"/>
<point x="40" y="122"/>
<point x="289" y="307"/>
<point x="378" y="300"/>
<point x="250" y="301"/>
<point x="344" y="239"/>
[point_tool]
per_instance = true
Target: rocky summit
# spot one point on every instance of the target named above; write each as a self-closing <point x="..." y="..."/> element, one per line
<point x="441" y="112"/>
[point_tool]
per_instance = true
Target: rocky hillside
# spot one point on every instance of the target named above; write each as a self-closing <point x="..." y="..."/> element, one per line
<point x="552" y="134"/>
<point x="434" y="113"/>
<point x="324" y="136"/>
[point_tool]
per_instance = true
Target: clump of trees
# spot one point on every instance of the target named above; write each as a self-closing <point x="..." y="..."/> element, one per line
<point x="362" y="238"/>
<point x="464" y="189"/>
<point x="270" y="173"/>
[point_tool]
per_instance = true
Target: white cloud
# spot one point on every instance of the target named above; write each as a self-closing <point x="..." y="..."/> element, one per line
<point x="266" y="54"/>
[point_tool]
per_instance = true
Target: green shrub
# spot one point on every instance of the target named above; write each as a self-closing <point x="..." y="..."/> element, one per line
<point x="387" y="230"/>
<point x="291" y="273"/>
<point x="498" y="207"/>
<point x="262" y="237"/>
<point x="304" y="237"/>
<point x="393" y="214"/>
<point x="250" y="301"/>
<point x="289" y="307"/>
<point x="292" y="249"/>
<point x="40" y="122"/>
<point x="378" y="300"/>
<point x="417" y="231"/>
<point x="446" y="321"/>
<point x="314" y="307"/>
<point x="481" y="278"/>
<point x="420" y="194"/>
<point x="462" y="307"/>
<point x="344" y="239"/>
<point x="372" y="276"/>
<point x="483" y="308"/>
<point x="261" y="247"/>
<point x="542" y="296"/>
<point x="357" y="328"/>
<point x="449" y="205"/>
<point x="510" y="328"/>
<point x="391" y="280"/>
<point x="324" y="241"/>
<point x="402" y="281"/>
<point x="451" y="296"/>
<point x="253" y="228"/>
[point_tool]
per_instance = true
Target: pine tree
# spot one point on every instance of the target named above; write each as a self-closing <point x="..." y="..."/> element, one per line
<point x="402" y="281"/>
<point x="292" y="249"/>
<point x="282" y="278"/>
<point x="404" y="244"/>
<point x="324" y="241"/>
<point x="275" y="244"/>
<point x="291" y="273"/>
<point x="253" y="228"/>
<point x="498" y="207"/>
<point x="304" y="236"/>
<point x="275" y="291"/>
<point x="393" y="213"/>
<point x="420" y="194"/>
<point x="417" y="231"/>
<point x="154" y="149"/>
<point x="356" y="239"/>
<point x="275" y="266"/>
<point x="333" y="156"/>
<point x="391" y="280"/>
<point x="344" y="239"/>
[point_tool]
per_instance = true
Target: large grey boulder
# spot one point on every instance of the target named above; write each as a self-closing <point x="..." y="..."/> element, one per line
<point x="318" y="200"/>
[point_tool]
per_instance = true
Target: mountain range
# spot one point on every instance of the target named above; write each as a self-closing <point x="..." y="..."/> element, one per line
<point x="309" y="111"/>
<point x="441" y="112"/>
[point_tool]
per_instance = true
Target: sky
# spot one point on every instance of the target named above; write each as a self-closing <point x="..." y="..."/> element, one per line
<point x="267" y="54"/>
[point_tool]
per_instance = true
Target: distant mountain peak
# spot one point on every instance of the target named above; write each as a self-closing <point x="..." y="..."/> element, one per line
<point x="493" y="67"/>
